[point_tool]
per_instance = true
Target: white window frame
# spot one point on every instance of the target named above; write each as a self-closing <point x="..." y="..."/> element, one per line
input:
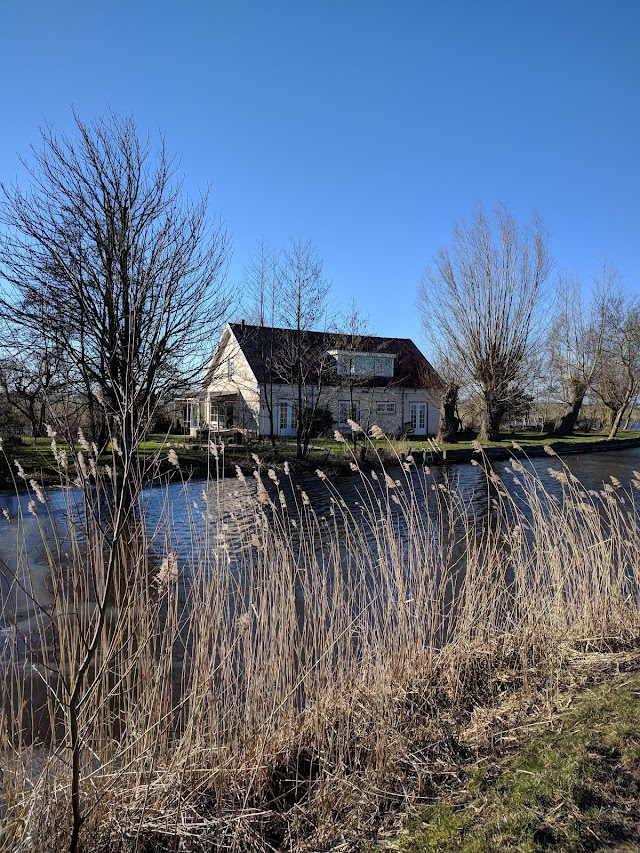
<point x="289" y="409"/>
<point x="364" y="363"/>
<point x="386" y="407"/>
<point x="231" y="368"/>
<point x="351" y="410"/>
<point x="419" y="416"/>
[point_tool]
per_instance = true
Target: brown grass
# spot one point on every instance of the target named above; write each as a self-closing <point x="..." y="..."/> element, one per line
<point x="306" y="676"/>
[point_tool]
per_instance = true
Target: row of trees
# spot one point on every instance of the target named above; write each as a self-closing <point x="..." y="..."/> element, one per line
<point x="594" y="348"/>
<point x="114" y="287"/>
<point x="498" y="327"/>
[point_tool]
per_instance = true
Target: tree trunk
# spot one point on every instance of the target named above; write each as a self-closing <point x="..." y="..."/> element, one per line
<point x="616" y="419"/>
<point x="491" y="420"/>
<point x="627" y="422"/>
<point x="448" y="422"/>
<point x="570" y="417"/>
<point x="268" y="399"/>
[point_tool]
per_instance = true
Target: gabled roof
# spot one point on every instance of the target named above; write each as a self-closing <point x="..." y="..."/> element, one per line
<point x="411" y="368"/>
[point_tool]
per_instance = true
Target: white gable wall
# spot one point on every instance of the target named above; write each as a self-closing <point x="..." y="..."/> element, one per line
<point x="232" y="377"/>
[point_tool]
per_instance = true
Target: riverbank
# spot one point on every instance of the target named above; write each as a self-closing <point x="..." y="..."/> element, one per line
<point x="333" y="458"/>
<point x="531" y="450"/>
<point x="337" y="460"/>
<point x="348" y="659"/>
<point x="536" y="775"/>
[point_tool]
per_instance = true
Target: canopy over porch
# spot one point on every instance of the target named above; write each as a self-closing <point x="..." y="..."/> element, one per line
<point x="195" y="411"/>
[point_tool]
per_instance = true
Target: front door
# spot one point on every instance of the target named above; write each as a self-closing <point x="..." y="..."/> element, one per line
<point x="222" y="415"/>
<point x="286" y="420"/>
<point x="418" y="412"/>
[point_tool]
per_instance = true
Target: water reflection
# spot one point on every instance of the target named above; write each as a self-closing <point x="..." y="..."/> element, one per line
<point x="225" y="512"/>
<point x="216" y="523"/>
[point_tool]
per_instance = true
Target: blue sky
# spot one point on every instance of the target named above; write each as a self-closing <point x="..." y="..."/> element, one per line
<point x="369" y="127"/>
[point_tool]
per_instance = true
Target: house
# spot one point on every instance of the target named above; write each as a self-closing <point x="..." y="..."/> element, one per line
<point x="260" y="378"/>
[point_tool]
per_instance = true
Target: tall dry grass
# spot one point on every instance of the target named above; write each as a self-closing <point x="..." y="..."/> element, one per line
<point x="254" y="673"/>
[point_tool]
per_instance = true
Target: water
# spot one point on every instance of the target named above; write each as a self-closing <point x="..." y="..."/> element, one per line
<point x="231" y="509"/>
<point x="223" y="516"/>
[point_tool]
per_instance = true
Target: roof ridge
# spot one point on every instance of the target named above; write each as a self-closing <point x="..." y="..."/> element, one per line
<point x="244" y="325"/>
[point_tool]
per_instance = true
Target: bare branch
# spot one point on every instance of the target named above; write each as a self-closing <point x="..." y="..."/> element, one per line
<point x="479" y="302"/>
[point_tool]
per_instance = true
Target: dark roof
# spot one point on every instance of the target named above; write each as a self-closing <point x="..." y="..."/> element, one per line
<point x="411" y="368"/>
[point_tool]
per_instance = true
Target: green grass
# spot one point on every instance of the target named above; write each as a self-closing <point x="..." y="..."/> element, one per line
<point x="320" y="703"/>
<point x="574" y="788"/>
<point x="37" y="459"/>
<point x="535" y="439"/>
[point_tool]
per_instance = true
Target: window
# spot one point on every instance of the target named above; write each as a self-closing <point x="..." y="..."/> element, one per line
<point x="363" y="363"/>
<point x="383" y="365"/>
<point x="232" y="367"/>
<point x="287" y="417"/>
<point x="194" y="413"/>
<point x="284" y="416"/>
<point x="386" y="407"/>
<point x="348" y="411"/>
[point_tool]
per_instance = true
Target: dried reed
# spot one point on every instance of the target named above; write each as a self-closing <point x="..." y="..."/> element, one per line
<point x="269" y="675"/>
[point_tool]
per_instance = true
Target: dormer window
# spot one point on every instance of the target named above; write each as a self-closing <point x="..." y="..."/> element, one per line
<point x="363" y="363"/>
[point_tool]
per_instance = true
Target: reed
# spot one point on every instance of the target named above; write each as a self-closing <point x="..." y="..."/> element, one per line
<point x="265" y="672"/>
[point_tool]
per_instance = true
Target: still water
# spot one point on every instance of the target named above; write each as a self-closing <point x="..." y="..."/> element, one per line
<point x="227" y="512"/>
<point x="183" y="507"/>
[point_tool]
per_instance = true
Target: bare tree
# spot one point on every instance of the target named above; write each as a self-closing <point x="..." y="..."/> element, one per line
<point x="262" y="285"/>
<point x="112" y="267"/>
<point x="303" y="305"/>
<point x="350" y="341"/>
<point x="109" y="262"/>
<point x="576" y="340"/>
<point x="617" y="381"/>
<point x="481" y="296"/>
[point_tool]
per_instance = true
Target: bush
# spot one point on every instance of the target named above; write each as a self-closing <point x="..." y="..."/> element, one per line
<point x="321" y="422"/>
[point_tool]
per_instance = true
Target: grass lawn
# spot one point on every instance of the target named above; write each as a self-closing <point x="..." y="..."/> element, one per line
<point x="38" y="462"/>
<point x="526" y="440"/>
<point x="573" y="787"/>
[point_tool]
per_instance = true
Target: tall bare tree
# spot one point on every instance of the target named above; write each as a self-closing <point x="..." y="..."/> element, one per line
<point x="304" y="303"/>
<point x="576" y="339"/>
<point x="115" y="269"/>
<point x="262" y="286"/>
<point x="107" y="259"/>
<point x="617" y="381"/>
<point x="481" y="296"/>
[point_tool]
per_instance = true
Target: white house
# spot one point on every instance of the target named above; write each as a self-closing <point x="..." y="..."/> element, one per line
<point x="261" y="376"/>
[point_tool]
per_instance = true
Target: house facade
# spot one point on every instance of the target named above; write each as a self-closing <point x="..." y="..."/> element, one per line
<point x="261" y="378"/>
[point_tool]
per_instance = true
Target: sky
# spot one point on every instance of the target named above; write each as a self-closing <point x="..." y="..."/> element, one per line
<point x="367" y="126"/>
